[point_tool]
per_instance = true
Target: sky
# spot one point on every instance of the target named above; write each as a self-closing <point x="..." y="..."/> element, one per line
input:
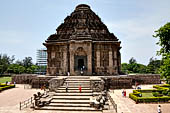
<point x="26" y="24"/>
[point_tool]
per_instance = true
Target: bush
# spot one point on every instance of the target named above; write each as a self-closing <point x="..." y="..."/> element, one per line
<point x="155" y="94"/>
<point x="4" y="87"/>
<point x="158" y="97"/>
<point x="165" y="92"/>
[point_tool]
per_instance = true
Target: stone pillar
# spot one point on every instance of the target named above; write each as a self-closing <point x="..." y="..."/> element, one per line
<point x="72" y="63"/>
<point x="72" y="49"/>
<point x="98" y="58"/>
<point x="53" y="55"/>
<point x="110" y="62"/>
<point x="89" y="58"/>
<point x="115" y="61"/>
<point x="65" y="61"/>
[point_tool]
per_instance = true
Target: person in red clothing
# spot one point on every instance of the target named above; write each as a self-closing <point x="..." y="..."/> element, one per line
<point x="124" y="93"/>
<point x="80" y="88"/>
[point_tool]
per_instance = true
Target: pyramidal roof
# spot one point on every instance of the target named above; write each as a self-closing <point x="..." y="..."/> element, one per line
<point x="82" y="24"/>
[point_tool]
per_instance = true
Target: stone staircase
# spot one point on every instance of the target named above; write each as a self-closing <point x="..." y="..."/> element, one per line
<point x="72" y="100"/>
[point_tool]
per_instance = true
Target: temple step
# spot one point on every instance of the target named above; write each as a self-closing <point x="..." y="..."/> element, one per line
<point x="74" y="91"/>
<point x="77" y="85"/>
<point x="68" y="108"/>
<point x="78" y="77"/>
<point x="68" y="105"/>
<point x="73" y="94"/>
<point x="72" y="97"/>
<point x="74" y="88"/>
<point x="76" y="81"/>
<point x="71" y="102"/>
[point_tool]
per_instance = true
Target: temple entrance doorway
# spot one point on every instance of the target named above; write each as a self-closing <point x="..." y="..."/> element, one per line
<point x="80" y="61"/>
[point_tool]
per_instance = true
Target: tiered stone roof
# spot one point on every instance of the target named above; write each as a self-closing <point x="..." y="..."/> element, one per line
<point x="82" y="24"/>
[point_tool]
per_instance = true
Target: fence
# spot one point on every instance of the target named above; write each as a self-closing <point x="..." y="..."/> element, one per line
<point x="26" y="103"/>
<point x="113" y="102"/>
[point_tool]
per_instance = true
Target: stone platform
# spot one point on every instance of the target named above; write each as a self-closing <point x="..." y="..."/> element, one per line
<point x="72" y="99"/>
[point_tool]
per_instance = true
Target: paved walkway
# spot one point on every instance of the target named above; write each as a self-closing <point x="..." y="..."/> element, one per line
<point x="127" y="105"/>
<point x="10" y="99"/>
<point x="9" y="102"/>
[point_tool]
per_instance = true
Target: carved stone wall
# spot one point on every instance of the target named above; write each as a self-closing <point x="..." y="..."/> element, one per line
<point x="97" y="84"/>
<point x="83" y="29"/>
<point x="120" y="82"/>
<point x="106" y="59"/>
<point x="86" y="51"/>
<point x="55" y="83"/>
<point x="39" y="81"/>
<point x="23" y="78"/>
<point x="146" y="78"/>
<point x="57" y="60"/>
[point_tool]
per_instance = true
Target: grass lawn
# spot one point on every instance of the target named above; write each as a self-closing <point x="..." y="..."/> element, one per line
<point x="147" y="95"/>
<point x="4" y="79"/>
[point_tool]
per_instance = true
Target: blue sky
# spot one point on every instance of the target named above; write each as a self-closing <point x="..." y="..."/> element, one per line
<point x="25" y="25"/>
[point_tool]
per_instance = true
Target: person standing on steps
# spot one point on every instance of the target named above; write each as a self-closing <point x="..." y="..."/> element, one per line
<point x="67" y="87"/>
<point x="80" y="88"/>
<point x="68" y="73"/>
<point x="124" y="93"/>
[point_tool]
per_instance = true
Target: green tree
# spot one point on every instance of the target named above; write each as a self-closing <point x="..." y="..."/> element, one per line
<point x="163" y="34"/>
<point x="21" y="69"/>
<point x="15" y="68"/>
<point x="27" y="62"/>
<point x="19" y="63"/>
<point x="153" y="66"/>
<point x="165" y="68"/>
<point x="133" y="67"/>
<point x="132" y="61"/>
<point x="34" y="68"/>
<point x="5" y="61"/>
<point x="29" y="70"/>
<point x="164" y="41"/>
<point x="124" y="68"/>
<point x="142" y="68"/>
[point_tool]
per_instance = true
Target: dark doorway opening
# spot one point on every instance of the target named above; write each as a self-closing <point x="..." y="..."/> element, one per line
<point x="80" y="63"/>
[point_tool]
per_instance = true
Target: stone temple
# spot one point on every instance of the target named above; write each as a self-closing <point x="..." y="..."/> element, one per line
<point x="83" y="43"/>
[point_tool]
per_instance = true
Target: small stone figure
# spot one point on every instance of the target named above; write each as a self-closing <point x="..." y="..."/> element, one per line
<point x="101" y="103"/>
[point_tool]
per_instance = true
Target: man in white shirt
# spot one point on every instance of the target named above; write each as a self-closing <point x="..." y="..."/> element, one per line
<point x="159" y="108"/>
<point x="68" y="73"/>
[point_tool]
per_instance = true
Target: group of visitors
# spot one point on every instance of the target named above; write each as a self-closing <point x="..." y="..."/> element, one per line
<point x="80" y="88"/>
<point x="159" y="109"/>
<point x="8" y="83"/>
<point x="124" y="93"/>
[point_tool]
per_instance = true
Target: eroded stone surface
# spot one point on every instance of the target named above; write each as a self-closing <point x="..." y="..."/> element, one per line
<point x="83" y="45"/>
